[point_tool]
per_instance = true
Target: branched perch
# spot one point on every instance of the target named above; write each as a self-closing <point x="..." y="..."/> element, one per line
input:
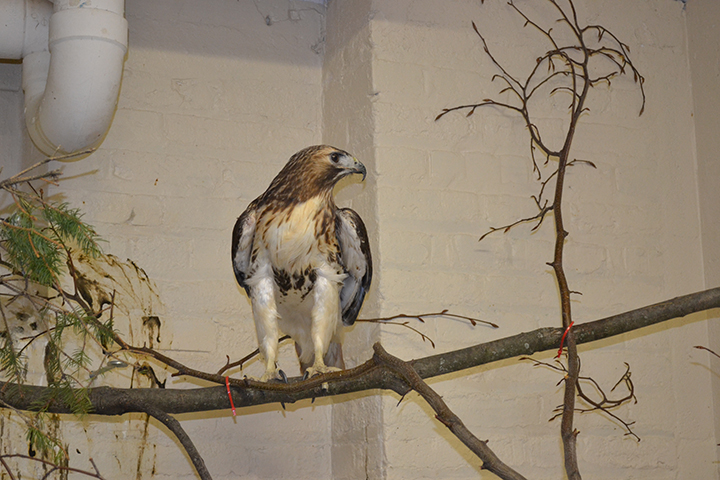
<point x="561" y="63"/>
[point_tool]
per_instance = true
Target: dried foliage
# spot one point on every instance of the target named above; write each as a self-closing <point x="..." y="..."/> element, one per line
<point x="36" y="245"/>
<point x="54" y="305"/>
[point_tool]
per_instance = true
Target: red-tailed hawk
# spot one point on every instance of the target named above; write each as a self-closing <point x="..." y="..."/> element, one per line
<point x="304" y="262"/>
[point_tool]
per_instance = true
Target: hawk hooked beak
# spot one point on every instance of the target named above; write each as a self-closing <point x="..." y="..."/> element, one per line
<point x="359" y="168"/>
<point x="345" y="164"/>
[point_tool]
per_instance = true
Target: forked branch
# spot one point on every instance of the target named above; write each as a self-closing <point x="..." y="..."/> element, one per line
<point x="569" y="62"/>
<point x="407" y="374"/>
<point x="604" y="404"/>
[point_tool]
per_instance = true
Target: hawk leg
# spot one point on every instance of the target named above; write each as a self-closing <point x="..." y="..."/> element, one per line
<point x="333" y="360"/>
<point x="325" y="323"/>
<point x="266" y="325"/>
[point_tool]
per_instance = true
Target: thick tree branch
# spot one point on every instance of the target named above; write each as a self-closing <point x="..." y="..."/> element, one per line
<point x="368" y="376"/>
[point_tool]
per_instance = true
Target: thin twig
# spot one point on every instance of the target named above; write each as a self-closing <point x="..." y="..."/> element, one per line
<point x="540" y="216"/>
<point x="18" y="178"/>
<point x="246" y="358"/>
<point x="95" y="474"/>
<point x="473" y="321"/>
<point x="604" y="404"/>
<point x="401" y="324"/>
<point x="700" y="347"/>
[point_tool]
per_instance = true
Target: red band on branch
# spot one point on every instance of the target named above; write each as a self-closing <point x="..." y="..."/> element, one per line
<point x="232" y="404"/>
<point x="562" y="340"/>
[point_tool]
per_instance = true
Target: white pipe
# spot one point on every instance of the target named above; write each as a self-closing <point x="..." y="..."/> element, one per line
<point x="12" y="28"/>
<point x="24" y="26"/>
<point x="72" y="84"/>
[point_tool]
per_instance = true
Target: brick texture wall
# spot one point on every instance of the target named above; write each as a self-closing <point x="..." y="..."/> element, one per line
<point x="217" y="95"/>
<point x="633" y="226"/>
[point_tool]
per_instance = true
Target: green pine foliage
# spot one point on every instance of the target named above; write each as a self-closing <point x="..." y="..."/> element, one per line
<point x="12" y="364"/>
<point x="29" y="250"/>
<point x="37" y="236"/>
<point x="67" y="224"/>
<point x="36" y="242"/>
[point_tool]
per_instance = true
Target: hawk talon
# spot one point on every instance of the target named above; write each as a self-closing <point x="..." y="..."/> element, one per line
<point x="273" y="376"/>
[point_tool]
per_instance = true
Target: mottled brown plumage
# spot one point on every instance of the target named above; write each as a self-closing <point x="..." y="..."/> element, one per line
<point x="304" y="263"/>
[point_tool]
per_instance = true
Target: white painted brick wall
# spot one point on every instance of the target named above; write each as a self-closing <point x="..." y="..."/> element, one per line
<point x="213" y="102"/>
<point x="633" y="238"/>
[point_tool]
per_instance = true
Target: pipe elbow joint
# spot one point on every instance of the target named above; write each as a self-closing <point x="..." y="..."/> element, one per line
<point x="83" y="72"/>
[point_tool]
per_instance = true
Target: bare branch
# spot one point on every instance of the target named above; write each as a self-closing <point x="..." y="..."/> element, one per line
<point x="117" y="401"/>
<point x="420" y="317"/>
<point x="174" y="426"/>
<point x="446" y="416"/>
<point x="604" y="404"/>
<point x="19" y="178"/>
<point x="540" y="216"/>
<point x="54" y="467"/>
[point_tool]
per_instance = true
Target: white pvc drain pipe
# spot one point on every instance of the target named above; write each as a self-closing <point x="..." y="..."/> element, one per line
<point x="72" y="67"/>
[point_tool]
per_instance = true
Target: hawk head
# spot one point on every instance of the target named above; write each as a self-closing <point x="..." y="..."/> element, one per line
<point x="314" y="171"/>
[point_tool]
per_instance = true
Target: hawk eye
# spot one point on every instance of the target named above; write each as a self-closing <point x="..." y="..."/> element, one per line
<point x="335" y="157"/>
